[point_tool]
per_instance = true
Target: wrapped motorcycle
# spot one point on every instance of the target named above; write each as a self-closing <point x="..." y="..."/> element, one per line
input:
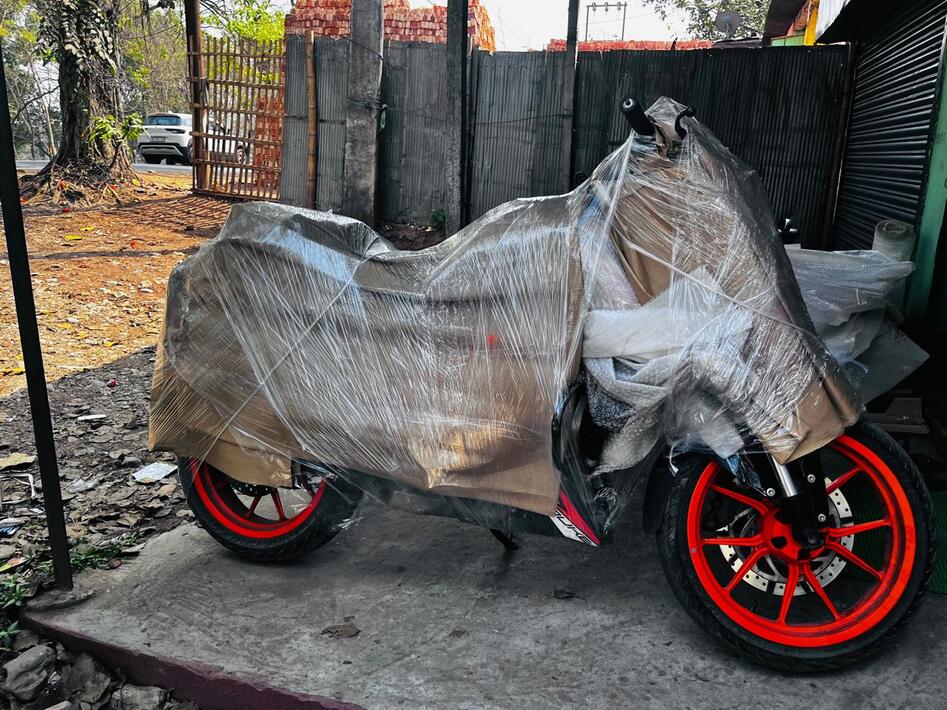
<point x="527" y="373"/>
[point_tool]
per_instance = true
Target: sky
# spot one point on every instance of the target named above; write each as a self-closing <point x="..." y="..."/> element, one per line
<point x="530" y="24"/>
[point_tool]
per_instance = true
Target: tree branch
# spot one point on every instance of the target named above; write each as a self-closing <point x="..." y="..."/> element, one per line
<point x="31" y="101"/>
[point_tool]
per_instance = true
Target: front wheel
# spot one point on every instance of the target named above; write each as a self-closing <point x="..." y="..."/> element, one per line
<point x="735" y="567"/>
<point x="265" y="523"/>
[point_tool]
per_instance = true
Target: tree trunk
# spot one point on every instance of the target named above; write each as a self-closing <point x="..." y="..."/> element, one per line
<point x="89" y="87"/>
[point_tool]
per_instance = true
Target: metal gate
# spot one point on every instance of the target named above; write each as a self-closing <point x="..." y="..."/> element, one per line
<point x="893" y="109"/>
<point x="238" y="140"/>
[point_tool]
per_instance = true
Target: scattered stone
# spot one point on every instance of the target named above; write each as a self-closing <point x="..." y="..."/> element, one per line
<point x="137" y="697"/>
<point x="7" y="551"/>
<point x="342" y="631"/>
<point x="27" y="672"/>
<point x="86" y="678"/>
<point x="25" y="639"/>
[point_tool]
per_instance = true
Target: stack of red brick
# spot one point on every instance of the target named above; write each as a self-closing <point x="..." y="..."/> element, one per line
<point x="598" y="45"/>
<point x="331" y="18"/>
<point x="269" y="126"/>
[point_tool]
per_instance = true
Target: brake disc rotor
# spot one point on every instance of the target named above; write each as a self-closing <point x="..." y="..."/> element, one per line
<point x="767" y="576"/>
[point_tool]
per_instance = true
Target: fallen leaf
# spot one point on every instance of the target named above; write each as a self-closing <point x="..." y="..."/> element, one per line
<point x="13" y="461"/>
<point x="10" y="564"/>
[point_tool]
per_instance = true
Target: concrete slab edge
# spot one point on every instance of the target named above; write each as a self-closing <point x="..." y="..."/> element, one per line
<point x="208" y="686"/>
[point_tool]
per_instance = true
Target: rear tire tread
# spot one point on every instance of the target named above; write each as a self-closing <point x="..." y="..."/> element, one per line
<point x="337" y="505"/>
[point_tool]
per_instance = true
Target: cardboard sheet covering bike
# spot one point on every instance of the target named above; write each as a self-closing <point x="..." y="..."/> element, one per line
<point x="660" y="283"/>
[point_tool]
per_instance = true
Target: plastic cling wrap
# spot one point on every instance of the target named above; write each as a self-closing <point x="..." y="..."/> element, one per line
<point x="658" y="289"/>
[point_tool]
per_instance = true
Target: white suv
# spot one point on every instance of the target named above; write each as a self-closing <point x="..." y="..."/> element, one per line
<point x="167" y="136"/>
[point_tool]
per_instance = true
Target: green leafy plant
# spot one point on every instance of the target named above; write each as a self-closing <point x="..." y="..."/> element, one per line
<point x="109" y="129"/>
<point x="257" y="20"/>
<point x="12" y="591"/>
<point x="700" y="14"/>
<point x="8" y="632"/>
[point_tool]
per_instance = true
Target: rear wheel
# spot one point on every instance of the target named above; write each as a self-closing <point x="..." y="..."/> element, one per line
<point x="733" y="562"/>
<point x="263" y="522"/>
<point x="152" y="159"/>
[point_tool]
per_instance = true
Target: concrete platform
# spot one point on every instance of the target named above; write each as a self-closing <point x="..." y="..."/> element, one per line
<point x="448" y="620"/>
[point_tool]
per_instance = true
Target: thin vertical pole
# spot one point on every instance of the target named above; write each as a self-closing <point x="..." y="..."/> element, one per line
<point x="30" y="344"/>
<point x="456" y="113"/>
<point x="196" y="77"/>
<point x="568" y="96"/>
<point x="624" y="15"/>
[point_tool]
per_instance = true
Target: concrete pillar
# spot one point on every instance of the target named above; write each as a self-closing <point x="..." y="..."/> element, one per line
<point x="455" y="162"/>
<point x="361" y="115"/>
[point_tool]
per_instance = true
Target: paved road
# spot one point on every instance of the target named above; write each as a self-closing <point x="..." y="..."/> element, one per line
<point x="141" y="167"/>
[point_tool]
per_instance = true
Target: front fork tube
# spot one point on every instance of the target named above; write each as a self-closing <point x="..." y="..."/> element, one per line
<point x="802" y="499"/>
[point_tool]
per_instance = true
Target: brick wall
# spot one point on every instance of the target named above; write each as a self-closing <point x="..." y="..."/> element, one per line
<point x="330" y="18"/>
<point x="598" y="45"/>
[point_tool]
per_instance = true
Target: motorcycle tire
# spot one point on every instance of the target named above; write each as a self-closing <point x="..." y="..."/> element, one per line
<point x="231" y="512"/>
<point x="730" y="560"/>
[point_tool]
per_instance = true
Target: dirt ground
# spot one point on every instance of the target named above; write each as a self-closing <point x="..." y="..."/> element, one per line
<point x="99" y="277"/>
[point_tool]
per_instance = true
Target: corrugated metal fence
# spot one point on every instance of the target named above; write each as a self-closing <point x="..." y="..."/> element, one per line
<point x="332" y="63"/>
<point x="297" y="179"/>
<point x="413" y="142"/>
<point x="778" y="109"/>
<point x="516" y="123"/>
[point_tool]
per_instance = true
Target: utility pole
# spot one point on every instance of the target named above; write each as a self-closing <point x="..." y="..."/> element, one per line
<point x="594" y="6"/>
<point x="196" y="79"/>
<point x="568" y="95"/>
<point x="361" y="113"/>
<point x="30" y="344"/>
<point x="456" y="158"/>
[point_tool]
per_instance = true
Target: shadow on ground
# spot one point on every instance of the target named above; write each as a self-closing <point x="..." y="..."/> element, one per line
<point x="446" y="619"/>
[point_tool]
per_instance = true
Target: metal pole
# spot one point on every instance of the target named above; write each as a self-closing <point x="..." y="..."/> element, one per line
<point x="624" y="15"/>
<point x="29" y="342"/>
<point x="568" y="96"/>
<point x="587" y="8"/>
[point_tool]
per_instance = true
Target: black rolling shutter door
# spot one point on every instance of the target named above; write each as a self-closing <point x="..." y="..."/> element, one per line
<point x="893" y="107"/>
